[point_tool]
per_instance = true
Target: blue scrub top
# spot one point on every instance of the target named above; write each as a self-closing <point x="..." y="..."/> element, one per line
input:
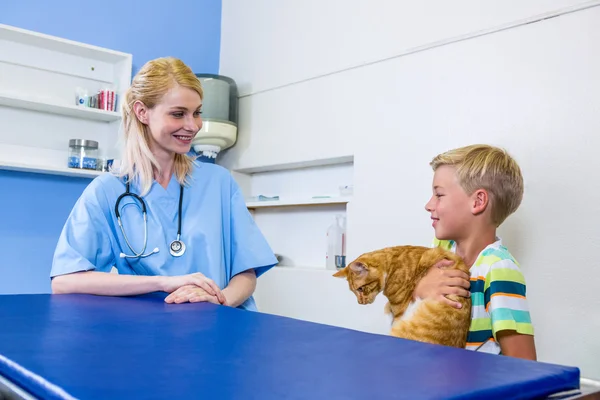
<point x="220" y="235"/>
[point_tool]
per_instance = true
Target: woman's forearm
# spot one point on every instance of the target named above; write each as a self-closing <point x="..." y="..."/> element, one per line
<point x="105" y="284"/>
<point x="240" y="288"/>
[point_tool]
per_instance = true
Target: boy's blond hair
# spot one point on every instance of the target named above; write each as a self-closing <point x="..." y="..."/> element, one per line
<point x="487" y="167"/>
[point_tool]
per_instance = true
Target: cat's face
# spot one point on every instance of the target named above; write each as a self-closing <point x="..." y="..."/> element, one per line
<point x="365" y="279"/>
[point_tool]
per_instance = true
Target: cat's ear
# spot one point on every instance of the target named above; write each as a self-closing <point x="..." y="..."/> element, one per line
<point x="341" y="273"/>
<point x="358" y="268"/>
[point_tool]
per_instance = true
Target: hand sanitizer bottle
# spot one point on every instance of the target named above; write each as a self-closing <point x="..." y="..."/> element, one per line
<point x="336" y="244"/>
<point x="340" y="250"/>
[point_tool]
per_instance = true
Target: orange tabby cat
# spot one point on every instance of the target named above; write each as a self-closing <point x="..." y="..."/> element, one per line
<point x="396" y="271"/>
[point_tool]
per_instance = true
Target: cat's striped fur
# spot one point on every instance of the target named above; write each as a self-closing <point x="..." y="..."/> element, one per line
<point x="395" y="271"/>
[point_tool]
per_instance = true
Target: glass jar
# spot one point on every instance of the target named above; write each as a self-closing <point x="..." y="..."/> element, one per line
<point x="83" y="154"/>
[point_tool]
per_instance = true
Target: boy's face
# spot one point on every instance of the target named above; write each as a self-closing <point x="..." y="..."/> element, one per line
<point x="450" y="205"/>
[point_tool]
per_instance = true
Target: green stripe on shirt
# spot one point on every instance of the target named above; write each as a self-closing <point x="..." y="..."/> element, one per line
<point x="523" y="329"/>
<point x="504" y="274"/>
<point x="480" y="324"/>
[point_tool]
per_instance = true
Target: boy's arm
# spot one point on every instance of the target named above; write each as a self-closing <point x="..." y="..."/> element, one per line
<point x="440" y="282"/>
<point x="514" y="344"/>
<point x="506" y="302"/>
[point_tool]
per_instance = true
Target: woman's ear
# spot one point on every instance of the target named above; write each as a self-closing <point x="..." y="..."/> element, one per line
<point x="481" y="200"/>
<point x="141" y="112"/>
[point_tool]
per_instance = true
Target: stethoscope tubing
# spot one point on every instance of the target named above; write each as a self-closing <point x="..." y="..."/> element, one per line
<point x="145" y="216"/>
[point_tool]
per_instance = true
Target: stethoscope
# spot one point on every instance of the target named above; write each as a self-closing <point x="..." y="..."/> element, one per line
<point x="177" y="247"/>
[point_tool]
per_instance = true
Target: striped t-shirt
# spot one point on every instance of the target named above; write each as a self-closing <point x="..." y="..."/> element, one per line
<point x="498" y="298"/>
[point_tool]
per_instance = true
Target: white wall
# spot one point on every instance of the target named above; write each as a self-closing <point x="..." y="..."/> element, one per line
<point x="531" y="88"/>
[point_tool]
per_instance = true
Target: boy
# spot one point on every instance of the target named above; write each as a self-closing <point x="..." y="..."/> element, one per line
<point x="475" y="188"/>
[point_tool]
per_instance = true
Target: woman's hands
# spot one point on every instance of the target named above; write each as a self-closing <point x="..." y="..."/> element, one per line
<point x="175" y="285"/>
<point x="192" y="294"/>
<point x="196" y="287"/>
<point x="440" y="282"/>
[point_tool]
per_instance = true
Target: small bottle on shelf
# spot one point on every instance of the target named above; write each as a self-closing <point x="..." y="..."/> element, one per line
<point x="336" y="244"/>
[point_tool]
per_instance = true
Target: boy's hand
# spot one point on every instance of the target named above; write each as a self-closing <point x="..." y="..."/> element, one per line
<point x="440" y="282"/>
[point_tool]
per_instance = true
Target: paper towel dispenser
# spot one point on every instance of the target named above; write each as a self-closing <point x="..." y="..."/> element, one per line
<point x="219" y="116"/>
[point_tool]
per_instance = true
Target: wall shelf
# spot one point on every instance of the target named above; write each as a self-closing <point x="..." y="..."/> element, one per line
<point x="320" y="269"/>
<point x="49" y="170"/>
<point x="60" y="45"/>
<point x="296" y="165"/>
<point x="60" y="109"/>
<point x="311" y="197"/>
<point x="40" y="78"/>
<point x="293" y="202"/>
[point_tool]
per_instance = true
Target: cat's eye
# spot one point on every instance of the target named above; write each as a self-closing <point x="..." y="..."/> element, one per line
<point x="360" y="289"/>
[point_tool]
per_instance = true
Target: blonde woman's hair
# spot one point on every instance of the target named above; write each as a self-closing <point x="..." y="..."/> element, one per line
<point x="487" y="167"/>
<point x="149" y="85"/>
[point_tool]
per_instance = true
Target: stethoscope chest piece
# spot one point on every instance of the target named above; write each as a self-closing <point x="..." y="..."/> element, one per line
<point x="177" y="248"/>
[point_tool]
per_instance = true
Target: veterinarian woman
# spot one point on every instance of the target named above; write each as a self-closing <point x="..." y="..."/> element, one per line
<point x="165" y="222"/>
